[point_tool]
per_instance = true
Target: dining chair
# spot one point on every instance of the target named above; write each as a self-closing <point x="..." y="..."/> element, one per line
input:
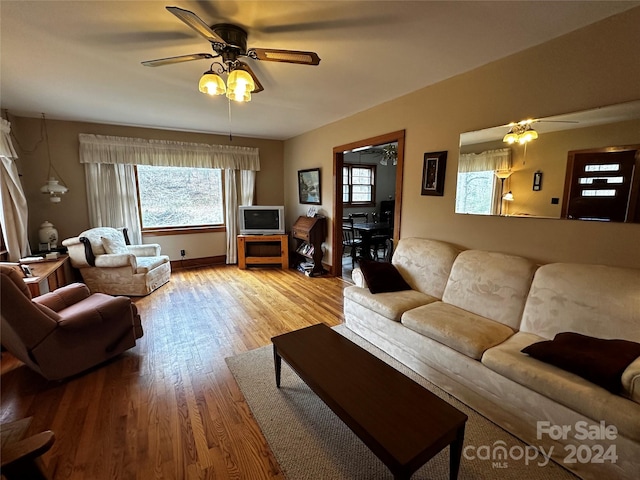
<point x="350" y="241"/>
<point x="361" y="217"/>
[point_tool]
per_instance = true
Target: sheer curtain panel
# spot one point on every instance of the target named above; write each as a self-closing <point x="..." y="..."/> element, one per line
<point x="13" y="219"/>
<point x="238" y="188"/>
<point x="112" y="198"/>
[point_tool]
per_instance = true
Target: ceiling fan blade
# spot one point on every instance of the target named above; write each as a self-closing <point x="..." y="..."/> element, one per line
<point x="287" y="56"/>
<point x="197" y="24"/>
<point x="247" y="68"/>
<point x="182" y="58"/>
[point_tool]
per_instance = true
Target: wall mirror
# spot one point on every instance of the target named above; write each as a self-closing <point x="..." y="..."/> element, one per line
<point x="582" y="165"/>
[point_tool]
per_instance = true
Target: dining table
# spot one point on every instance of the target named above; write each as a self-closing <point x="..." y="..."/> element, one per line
<point x="367" y="230"/>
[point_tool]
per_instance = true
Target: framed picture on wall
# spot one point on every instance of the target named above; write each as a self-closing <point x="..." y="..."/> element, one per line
<point x="309" y="187"/>
<point x="433" y="170"/>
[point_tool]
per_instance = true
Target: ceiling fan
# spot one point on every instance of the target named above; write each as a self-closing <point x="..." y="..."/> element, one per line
<point x="228" y="43"/>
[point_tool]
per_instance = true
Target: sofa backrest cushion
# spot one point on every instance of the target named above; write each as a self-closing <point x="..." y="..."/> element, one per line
<point x="425" y="264"/>
<point x="595" y="300"/>
<point x="491" y="284"/>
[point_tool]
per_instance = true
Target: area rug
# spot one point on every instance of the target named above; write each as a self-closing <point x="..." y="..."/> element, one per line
<point x="311" y="443"/>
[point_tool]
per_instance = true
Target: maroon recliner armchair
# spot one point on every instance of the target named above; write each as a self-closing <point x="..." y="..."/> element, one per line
<point x="67" y="331"/>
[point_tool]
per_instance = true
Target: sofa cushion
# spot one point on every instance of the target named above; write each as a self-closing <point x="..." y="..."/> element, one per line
<point x="465" y="332"/>
<point x="114" y="244"/>
<point x="382" y="277"/>
<point x="425" y="264"/>
<point x="390" y="305"/>
<point x="490" y="284"/>
<point x="598" y="360"/>
<point x="146" y="264"/>
<point x="595" y="300"/>
<point x="631" y="381"/>
<point x="566" y="388"/>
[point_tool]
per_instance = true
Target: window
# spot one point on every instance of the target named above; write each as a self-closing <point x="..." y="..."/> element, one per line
<point x="178" y="197"/>
<point x="358" y="185"/>
<point x="475" y="193"/>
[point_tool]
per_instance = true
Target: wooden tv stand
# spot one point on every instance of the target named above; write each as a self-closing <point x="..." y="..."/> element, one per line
<point x="263" y="250"/>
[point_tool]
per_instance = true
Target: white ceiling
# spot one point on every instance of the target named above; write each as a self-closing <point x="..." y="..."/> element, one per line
<point x="80" y="60"/>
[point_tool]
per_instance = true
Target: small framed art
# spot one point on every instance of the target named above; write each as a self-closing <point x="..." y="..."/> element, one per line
<point x="537" y="181"/>
<point x="309" y="186"/>
<point x="433" y="168"/>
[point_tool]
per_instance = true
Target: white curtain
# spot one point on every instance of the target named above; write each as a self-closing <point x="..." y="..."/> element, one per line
<point x="239" y="164"/>
<point x="238" y="189"/>
<point x="112" y="198"/>
<point x="495" y="160"/>
<point x="498" y="160"/>
<point x="14" y="211"/>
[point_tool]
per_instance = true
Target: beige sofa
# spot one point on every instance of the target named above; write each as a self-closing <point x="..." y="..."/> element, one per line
<point x="468" y="315"/>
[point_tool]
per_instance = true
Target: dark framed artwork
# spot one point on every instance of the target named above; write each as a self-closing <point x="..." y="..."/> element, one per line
<point x="433" y="168"/>
<point x="309" y="186"/>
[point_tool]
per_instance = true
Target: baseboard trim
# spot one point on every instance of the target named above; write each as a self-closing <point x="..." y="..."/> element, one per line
<point x="198" y="262"/>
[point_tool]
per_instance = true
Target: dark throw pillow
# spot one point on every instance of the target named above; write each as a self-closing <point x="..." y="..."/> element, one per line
<point x="598" y="360"/>
<point x="382" y="277"/>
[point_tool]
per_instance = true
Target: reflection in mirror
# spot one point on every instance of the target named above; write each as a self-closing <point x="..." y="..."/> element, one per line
<point x="583" y="165"/>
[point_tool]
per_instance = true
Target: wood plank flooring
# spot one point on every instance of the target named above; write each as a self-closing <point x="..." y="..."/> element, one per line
<point x="169" y="408"/>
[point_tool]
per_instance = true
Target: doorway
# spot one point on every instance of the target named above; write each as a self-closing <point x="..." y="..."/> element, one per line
<point x="602" y="184"/>
<point x="339" y="152"/>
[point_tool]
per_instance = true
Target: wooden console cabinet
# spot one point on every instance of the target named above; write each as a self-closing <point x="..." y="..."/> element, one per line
<point x="263" y="250"/>
<point x="309" y="233"/>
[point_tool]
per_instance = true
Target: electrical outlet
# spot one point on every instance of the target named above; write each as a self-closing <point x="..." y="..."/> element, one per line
<point x="183" y="253"/>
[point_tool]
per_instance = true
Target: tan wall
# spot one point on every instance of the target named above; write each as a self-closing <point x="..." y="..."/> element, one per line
<point x="585" y="69"/>
<point x="71" y="216"/>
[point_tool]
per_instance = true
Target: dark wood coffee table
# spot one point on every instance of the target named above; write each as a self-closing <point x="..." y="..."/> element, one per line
<point x="403" y="424"/>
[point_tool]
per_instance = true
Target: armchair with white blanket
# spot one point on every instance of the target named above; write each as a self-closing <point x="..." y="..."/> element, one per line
<point x="108" y="264"/>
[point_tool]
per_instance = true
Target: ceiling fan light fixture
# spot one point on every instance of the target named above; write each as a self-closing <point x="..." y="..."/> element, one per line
<point x="528" y="135"/>
<point x="240" y="85"/>
<point x="521" y="133"/>
<point x="211" y="84"/>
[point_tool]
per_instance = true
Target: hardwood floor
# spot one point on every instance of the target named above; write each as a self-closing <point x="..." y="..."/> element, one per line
<point x="169" y="408"/>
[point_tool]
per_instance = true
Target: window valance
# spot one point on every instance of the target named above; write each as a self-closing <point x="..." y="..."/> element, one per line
<point x="139" y="151"/>
<point x="495" y="160"/>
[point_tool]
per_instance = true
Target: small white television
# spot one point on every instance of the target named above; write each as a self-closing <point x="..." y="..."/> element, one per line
<point x="261" y="220"/>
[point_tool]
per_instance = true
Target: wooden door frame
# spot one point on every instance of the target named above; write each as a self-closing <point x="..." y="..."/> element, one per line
<point x="338" y="163"/>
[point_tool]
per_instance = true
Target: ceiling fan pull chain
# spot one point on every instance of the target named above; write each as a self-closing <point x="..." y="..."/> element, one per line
<point x="229" y="103"/>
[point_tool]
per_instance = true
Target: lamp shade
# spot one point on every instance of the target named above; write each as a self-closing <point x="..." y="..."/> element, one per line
<point x="502" y="174"/>
<point x="211" y="84"/>
<point x="54" y="190"/>
<point x="508" y="196"/>
<point x="240" y="85"/>
<point x="510" y="137"/>
<point x="53" y="187"/>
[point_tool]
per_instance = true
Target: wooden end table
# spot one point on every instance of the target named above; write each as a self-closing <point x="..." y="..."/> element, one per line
<point x="403" y="423"/>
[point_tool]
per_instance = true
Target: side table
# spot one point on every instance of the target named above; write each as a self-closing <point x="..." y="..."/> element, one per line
<point x="49" y="275"/>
